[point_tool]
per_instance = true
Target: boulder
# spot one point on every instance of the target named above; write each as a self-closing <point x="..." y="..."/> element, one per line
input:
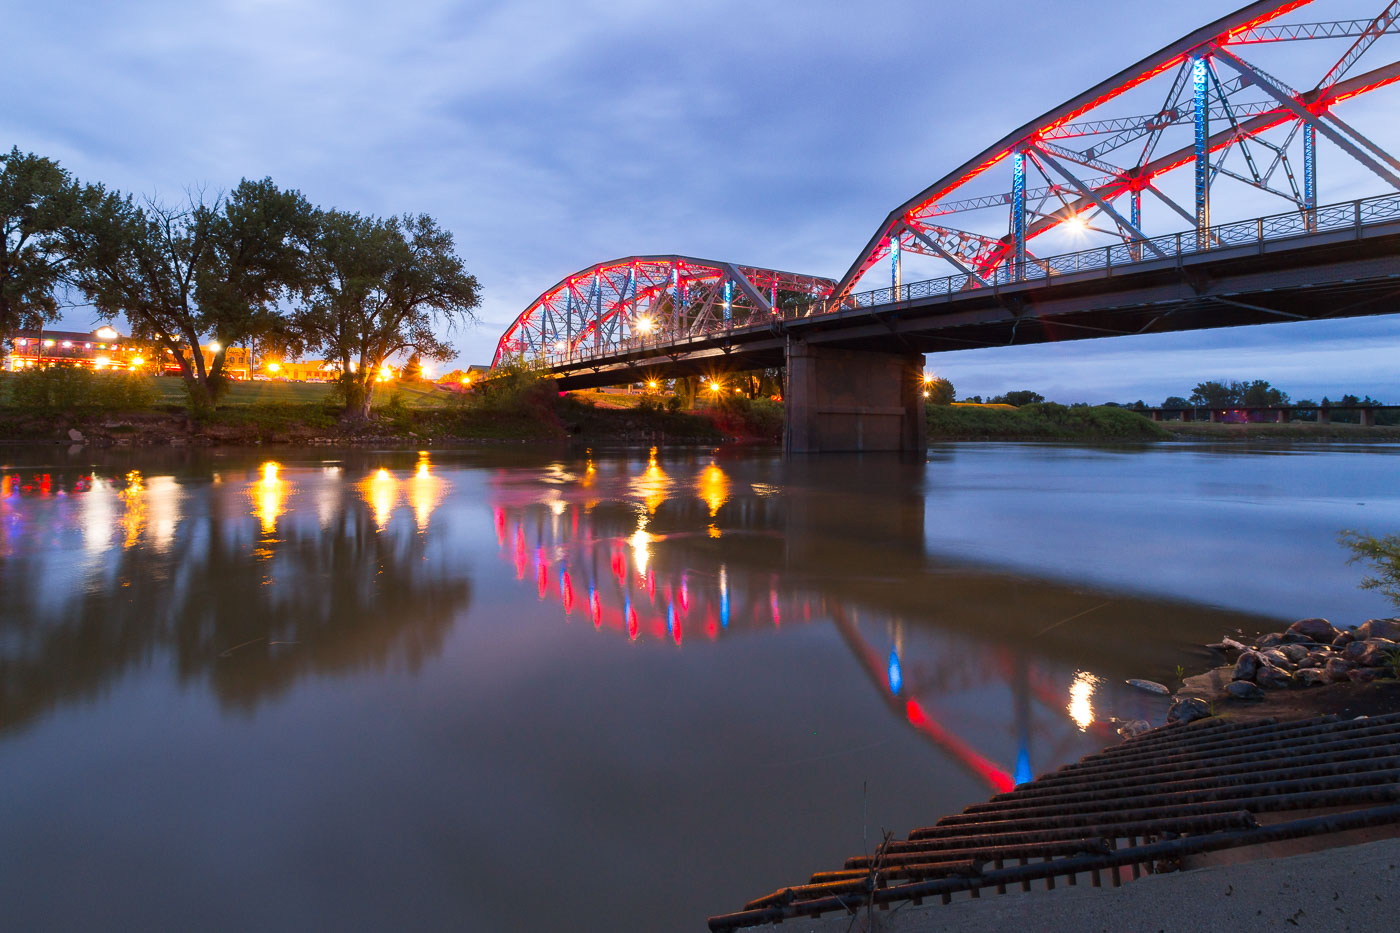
<point x="1342" y="640"/>
<point x="75" y="435"/>
<point x="1278" y="659"/>
<point x="1379" y="628"/>
<point x="1188" y="709"/>
<point x="1271" y="678"/>
<point x="1318" y="630"/>
<point x="1271" y="640"/>
<point x="1317" y="659"/>
<point x="1337" y="668"/>
<point x="1295" y="653"/>
<point x="1362" y="675"/>
<point x="1134" y="727"/>
<point x="1248" y="665"/>
<point x="1151" y="686"/>
<point x="1312" y="677"/>
<point x="1244" y="690"/>
<point x="1373" y="652"/>
<point x="1293" y="638"/>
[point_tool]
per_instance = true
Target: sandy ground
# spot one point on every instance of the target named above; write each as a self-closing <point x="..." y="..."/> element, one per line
<point x="1351" y="888"/>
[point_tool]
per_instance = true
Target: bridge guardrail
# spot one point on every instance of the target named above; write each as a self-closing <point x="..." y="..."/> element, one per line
<point x="1345" y="215"/>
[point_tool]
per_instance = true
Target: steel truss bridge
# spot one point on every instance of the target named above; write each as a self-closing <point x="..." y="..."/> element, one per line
<point x="1134" y="166"/>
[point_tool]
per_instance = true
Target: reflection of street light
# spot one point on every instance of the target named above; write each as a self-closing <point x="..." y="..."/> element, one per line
<point x="558" y="346"/>
<point x="102" y="362"/>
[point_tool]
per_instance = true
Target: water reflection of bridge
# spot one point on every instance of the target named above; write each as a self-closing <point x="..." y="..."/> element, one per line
<point x="1007" y="675"/>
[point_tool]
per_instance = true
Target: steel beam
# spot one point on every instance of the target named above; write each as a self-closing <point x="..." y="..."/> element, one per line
<point x="1200" y="81"/>
<point x="1293" y="106"/>
<point x="1103" y="205"/>
<point x="945" y="254"/>
<point x="1018" y="215"/>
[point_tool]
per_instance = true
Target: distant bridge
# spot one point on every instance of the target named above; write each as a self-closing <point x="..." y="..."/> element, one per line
<point x="853" y="358"/>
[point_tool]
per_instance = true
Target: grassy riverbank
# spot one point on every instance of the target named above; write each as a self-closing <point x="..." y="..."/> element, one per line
<point x="1297" y="430"/>
<point x="1045" y="421"/>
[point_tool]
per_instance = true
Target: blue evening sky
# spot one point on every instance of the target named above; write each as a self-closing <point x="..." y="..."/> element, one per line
<point x="550" y="135"/>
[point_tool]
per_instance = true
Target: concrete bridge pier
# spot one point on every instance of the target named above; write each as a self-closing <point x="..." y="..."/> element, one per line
<point x="852" y="400"/>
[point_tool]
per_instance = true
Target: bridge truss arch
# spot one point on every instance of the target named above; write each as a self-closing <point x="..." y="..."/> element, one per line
<point x="651" y="299"/>
<point x="1202" y="102"/>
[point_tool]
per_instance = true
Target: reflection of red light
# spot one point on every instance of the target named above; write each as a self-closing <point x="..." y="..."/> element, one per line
<point x="567" y="592"/>
<point x="596" y="608"/>
<point x="521" y="557"/>
<point x="632" y="627"/>
<point x="676" y="630"/>
<point x="619" y="566"/>
<point x="711" y="626"/>
<point x="651" y="585"/>
<point x="542" y="577"/>
<point x="500" y="526"/>
<point x="773" y="605"/>
<point x="993" y="775"/>
<point x="685" y="594"/>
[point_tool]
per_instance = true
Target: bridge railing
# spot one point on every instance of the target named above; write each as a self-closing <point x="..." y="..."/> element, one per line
<point x="1332" y="217"/>
<point x="1342" y="216"/>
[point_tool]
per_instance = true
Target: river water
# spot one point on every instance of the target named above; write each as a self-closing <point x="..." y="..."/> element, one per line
<point x="592" y="690"/>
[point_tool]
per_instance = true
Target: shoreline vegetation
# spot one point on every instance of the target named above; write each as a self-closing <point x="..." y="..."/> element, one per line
<point x="74" y="406"/>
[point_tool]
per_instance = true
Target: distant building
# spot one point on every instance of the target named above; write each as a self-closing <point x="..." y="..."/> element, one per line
<point x="103" y="348"/>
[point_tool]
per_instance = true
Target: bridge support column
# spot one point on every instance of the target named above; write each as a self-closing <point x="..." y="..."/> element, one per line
<point x="1216" y="416"/>
<point x="853" y="400"/>
<point x="1282" y="416"/>
<point x="1368" y="417"/>
<point x="1324" y="416"/>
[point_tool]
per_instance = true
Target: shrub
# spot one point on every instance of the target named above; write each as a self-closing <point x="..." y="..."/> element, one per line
<point x="71" y="388"/>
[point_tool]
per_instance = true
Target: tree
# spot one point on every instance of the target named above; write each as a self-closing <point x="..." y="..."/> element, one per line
<point x="412" y="370"/>
<point x="1213" y="395"/>
<point x="32" y="193"/>
<point x="180" y="273"/>
<point x="940" y="392"/>
<point x="377" y="288"/>
<point x="1259" y="394"/>
<point x="1176" y="401"/>
<point x="1018" y="398"/>
<point x="256" y="259"/>
<point x="1383" y="553"/>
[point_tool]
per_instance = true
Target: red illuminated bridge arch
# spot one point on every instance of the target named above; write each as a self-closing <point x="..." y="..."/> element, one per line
<point x="650" y="299"/>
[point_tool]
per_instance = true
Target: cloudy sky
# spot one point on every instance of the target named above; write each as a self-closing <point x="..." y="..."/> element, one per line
<point x="550" y="135"/>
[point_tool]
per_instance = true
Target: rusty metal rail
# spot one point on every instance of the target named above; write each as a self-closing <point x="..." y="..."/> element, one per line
<point x="1133" y="809"/>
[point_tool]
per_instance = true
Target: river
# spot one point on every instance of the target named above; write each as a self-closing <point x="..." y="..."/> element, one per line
<point x="581" y="690"/>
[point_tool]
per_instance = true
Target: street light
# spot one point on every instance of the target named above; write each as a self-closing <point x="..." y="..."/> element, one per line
<point x="214" y="346"/>
<point x="715" y="386"/>
<point x="651" y="384"/>
<point x="274" y="367"/>
<point x="644" y="325"/>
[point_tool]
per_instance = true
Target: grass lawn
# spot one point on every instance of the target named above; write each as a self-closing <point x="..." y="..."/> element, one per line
<point x="171" y="391"/>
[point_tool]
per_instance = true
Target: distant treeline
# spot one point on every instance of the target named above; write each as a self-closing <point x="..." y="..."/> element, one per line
<point x="257" y="266"/>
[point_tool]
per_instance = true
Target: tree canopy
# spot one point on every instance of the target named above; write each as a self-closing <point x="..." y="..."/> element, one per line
<point x="32" y="211"/>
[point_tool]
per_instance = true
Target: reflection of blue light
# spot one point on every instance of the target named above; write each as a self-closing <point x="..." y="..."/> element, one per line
<point x="896" y="675"/>
<point x="671" y="619"/>
<point x="724" y="609"/>
<point x="1023" y="765"/>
